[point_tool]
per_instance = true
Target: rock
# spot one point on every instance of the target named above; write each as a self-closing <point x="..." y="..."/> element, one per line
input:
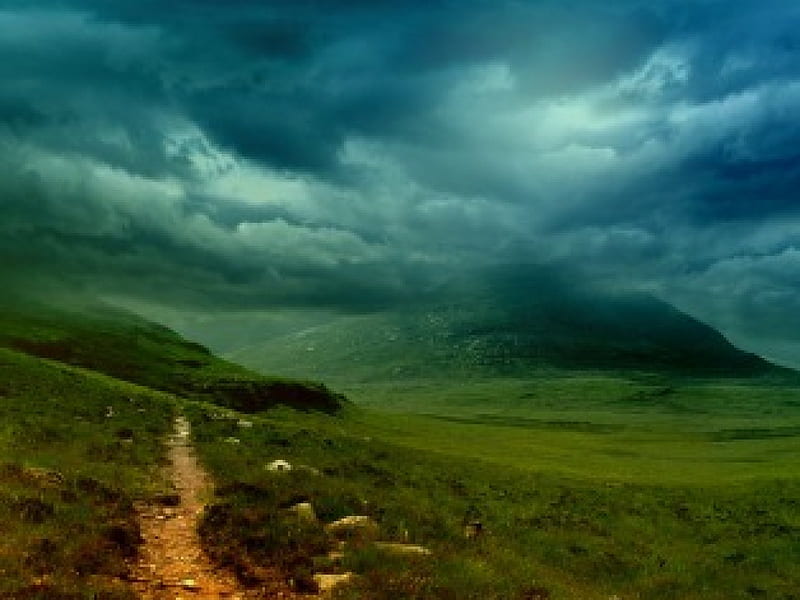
<point x="397" y="548"/>
<point x="358" y="526"/>
<point x="473" y="530"/>
<point x="189" y="584"/>
<point x="304" y="511"/>
<point x="231" y="440"/>
<point x="244" y="424"/>
<point x="279" y="465"/>
<point x="327" y="581"/>
<point x="335" y="555"/>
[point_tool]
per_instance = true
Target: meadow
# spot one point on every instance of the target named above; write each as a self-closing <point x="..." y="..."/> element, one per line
<point x="77" y="450"/>
<point x="653" y="429"/>
<point x="588" y="485"/>
<point x="598" y="487"/>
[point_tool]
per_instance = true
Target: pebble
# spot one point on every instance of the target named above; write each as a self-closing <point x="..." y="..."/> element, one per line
<point x="189" y="584"/>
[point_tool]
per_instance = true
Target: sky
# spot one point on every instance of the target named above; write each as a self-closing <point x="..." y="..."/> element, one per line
<point x="353" y="155"/>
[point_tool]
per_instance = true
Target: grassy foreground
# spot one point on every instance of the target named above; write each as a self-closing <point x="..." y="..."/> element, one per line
<point x="549" y="535"/>
<point x="76" y="450"/>
<point x="589" y="486"/>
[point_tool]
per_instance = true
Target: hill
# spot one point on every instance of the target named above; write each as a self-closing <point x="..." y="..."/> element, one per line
<point x="589" y="489"/>
<point x="506" y="325"/>
<point x="118" y="343"/>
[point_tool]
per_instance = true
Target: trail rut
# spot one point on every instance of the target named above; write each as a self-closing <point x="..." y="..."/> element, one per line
<point x="172" y="564"/>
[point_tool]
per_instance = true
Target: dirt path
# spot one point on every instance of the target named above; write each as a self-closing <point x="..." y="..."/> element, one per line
<point x="172" y="565"/>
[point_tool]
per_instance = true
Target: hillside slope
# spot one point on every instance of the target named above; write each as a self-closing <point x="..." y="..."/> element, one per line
<point x="77" y="449"/>
<point x="506" y="327"/>
<point x="121" y="344"/>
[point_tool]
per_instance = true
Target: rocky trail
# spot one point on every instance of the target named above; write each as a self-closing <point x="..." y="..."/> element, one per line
<point x="172" y="564"/>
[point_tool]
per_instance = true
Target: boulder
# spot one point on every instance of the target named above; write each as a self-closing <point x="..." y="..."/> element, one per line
<point x="354" y="526"/>
<point x="473" y="530"/>
<point x="326" y="582"/>
<point x="279" y="465"/>
<point x="304" y="511"/>
<point x="398" y="548"/>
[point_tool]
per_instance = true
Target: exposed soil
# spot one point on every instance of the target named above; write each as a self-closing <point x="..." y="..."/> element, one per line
<point x="172" y="565"/>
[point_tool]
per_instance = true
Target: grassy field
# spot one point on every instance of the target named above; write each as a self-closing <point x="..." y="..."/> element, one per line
<point x="614" y="428"/>
<point x="76" y="450"/>
<point x="588" y="485"/>
<point x="633" y="498"/>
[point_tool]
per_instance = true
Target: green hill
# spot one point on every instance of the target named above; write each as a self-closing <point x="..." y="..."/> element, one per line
<point x="506" y="326"/>
<point x="113" y="341"/>
<point x="588" y="487"/>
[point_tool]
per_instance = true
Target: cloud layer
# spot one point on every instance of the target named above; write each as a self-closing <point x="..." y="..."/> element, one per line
<point x="355" y="154"/>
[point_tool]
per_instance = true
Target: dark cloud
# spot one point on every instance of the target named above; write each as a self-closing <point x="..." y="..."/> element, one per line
<point x="354" y="154"/>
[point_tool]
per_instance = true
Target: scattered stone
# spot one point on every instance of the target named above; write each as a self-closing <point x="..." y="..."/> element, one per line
<point x="189" y="584"/>
<point x="244" y="424"/>
<point x="359" y="526"/>
<point x="304" y="511"/>
<point x="398" y="548"/>
<point x="335" y="555"/>
<point x="109" y="412"/>
<point x="182" y="427"/>
<point x="473" y="530"/>
<point x="279" y="465"/>
<point x="326" y="582"/>
<point x="232" y="440"/>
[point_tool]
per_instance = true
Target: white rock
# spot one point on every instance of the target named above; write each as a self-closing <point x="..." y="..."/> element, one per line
<point x="358" y="525"/>
<point x="189" y="584"/>
<point x="327" y="581"/>
<point x="304" y="510"/>
<point x="398" y="548"/>
<point x="279" y="465"/>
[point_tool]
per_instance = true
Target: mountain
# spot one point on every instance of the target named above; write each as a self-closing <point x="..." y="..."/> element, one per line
<point x="113" y="341"/>
<point x="507" y="323"/>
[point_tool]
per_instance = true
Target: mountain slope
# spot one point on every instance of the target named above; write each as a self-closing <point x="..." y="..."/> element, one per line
<point x="121" y="344"/>
<point x="506" y="326"/>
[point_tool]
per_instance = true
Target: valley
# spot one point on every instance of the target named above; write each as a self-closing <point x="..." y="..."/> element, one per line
<point x="590" y="484"/>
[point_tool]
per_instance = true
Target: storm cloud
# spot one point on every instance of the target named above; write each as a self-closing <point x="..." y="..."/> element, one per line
<point x="354" y="155"/>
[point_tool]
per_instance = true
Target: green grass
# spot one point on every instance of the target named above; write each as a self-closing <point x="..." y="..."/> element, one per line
<point x="553" y="531"/>
<point x="600" y="427"/>
<point x="589" y="484"/>
<point x="116" y="342"/>
<point x="76" y="450"/>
